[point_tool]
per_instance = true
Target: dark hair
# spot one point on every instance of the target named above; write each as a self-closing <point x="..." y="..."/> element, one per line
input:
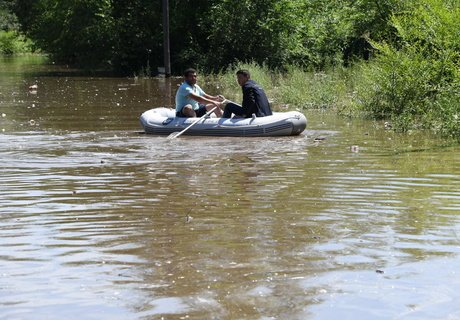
<point x="189" y="71"/>
<point x="244" y="72"/>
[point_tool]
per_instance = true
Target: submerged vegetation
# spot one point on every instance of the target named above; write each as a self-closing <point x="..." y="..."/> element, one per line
<point x="390" y="59"/>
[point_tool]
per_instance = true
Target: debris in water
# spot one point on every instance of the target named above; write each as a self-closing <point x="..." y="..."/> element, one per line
<point x="188" y="217"/>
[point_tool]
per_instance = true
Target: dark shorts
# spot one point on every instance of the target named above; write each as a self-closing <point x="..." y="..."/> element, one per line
<point x="201" y="111"/>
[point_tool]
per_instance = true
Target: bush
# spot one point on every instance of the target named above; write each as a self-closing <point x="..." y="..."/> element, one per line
<point x="7" y="40"/>
<point x="416" y="80"/>
<point x="13" y="43"/>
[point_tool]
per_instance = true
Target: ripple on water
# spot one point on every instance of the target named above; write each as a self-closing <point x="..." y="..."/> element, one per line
<point x="138" y="226"/>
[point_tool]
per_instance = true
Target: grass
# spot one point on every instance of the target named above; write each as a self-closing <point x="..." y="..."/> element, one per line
<point x="292" y="89"/>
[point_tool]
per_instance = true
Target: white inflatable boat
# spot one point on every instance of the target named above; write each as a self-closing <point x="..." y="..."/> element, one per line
<point x="162" y="121"/>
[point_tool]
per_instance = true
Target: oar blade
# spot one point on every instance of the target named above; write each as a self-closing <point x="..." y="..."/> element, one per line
<point x="173" y="135"/>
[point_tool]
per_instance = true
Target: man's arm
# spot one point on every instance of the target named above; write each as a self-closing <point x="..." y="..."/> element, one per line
<point x="205" y="99"/>
<point x="249" y="101"/>
<point x="219" y="97"/>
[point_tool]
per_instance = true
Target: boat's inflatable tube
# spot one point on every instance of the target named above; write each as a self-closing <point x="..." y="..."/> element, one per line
<point x="162" y="121"/>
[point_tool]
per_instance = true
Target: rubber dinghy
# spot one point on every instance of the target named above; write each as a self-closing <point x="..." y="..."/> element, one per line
<point x="162" y="121"/>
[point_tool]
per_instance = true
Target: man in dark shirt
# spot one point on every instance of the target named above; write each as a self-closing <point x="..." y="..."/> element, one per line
<point x="254" y="99"/>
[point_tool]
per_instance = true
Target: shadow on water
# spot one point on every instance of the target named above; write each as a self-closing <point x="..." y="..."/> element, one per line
<point x="100" y="220"/>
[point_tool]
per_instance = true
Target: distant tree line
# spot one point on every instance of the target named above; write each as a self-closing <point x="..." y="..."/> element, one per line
<point x="210" y="34"/>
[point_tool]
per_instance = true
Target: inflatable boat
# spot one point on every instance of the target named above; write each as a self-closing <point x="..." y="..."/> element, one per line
<point x="163" y="121"/>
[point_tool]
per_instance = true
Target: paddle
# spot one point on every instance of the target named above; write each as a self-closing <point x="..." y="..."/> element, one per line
<point x="176" y="134"/>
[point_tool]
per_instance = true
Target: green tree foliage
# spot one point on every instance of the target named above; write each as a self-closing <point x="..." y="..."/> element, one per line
<point x="339" y="29"/>
<point x="76" y="32"/>
<point x="416" y="79"/>
<point x="259" y="31"/>
<point x="136" y="35"/>
<point x="312" y="33"/>
<point x="210" y="34"/>
<point x="122" y="35"/>
<point x="11" y="40"/>
<point x="8" y="21"/>
<point x="189" y="33"/>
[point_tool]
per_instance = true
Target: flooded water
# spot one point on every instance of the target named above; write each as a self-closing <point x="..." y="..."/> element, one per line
<point x="98" y="221"/>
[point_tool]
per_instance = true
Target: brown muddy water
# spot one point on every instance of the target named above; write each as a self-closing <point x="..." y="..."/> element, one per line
<point x="97" y="221"/>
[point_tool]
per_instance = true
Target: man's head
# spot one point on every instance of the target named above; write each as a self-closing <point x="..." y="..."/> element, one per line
<point x="242" y="76"/>
<point x="190" y="76"/>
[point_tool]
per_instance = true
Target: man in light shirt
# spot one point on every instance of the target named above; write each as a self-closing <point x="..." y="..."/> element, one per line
<point x="192" y="101"/>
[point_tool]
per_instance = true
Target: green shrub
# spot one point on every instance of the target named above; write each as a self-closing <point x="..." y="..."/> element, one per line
<point x="415" y="81"/>
<point x="7" y="42"/>
<point x="13" y="43"/>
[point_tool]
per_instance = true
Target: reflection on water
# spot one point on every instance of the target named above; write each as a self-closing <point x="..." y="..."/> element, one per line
<point x="101" y="221"/>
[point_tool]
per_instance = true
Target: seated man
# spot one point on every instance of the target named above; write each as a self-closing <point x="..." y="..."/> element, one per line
<point x="254" y="99"/>
<point x="192" y="101"/>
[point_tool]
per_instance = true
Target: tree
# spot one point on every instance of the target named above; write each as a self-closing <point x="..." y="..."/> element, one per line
<point x="209" y="34"/>
<point x="75" y="32"/>
<point x="8" y="20"/>
<point x="137" y="35"/>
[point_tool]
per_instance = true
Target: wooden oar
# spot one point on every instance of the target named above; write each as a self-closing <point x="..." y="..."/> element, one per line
<point x="177" y="134"/>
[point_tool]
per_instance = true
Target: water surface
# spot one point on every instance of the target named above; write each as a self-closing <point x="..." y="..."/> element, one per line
<point x="99" y="221"/>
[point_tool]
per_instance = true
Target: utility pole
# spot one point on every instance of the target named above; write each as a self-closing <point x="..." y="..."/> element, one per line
<point x="166" y="51"/>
